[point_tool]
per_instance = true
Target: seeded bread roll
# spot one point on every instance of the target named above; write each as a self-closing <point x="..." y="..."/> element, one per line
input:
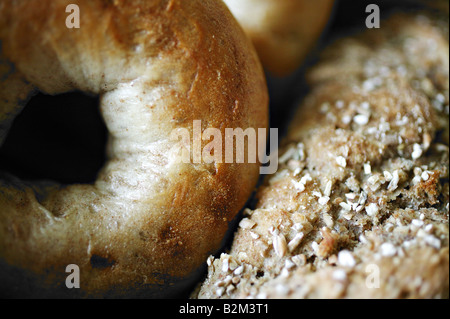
<point x="359" y="206"/>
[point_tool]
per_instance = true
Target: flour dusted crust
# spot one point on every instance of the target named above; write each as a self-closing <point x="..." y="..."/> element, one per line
<point x="148" y="222"/>
<point x="362" y="191"/>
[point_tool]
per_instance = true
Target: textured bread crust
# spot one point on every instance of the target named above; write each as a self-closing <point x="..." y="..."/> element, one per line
<point x="283" y="31"/>
<point x="148" y="222"/>
<point x="359" y="207"/>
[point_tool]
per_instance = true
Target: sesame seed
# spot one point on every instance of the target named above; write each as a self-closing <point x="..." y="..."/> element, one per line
<point x="289" y="264"/>
<point x="242" y="255"/>
<point x="281" y="289"/>
<point x="365" y="105"/>
<point x="368" y="85"/>
<point x="348" y="216"/>
<point x="299" y="260"/>
<point x="341" y="161"/>
<point x="299" y="186"/>
<point x="373" y="179"/>
<point x="441" y="147"/>
<point x="407" y="244"/>
<point x="361" y="119"/>
<point x="362" y="198"/>
<point x="416" y="180"/>
<point x="328" y="220"/>
<point x="225" y="265"/>
<point x="426" y="141"/>
<point x="220" y="291"/>
<point x="248" y="212"/>
<point x="306" y="178"/>
<point x="227" y="280"/>
<point x="403" y="121"/>
<point x="350" y="196"/>
<point x="417" y="151"/>
<point x="339" y="275"/>
<point x="317" y="194"/>
<point x="432" y="241"/>
<point x="388" y="250"/>
<point x="247" y="223"/>
<point x="417" y="222"/>
<point x="295" y="241"/>
<point x="372" y="209"/>
<point x="230" y="288"/>
<point x="387" y="176"/>
<point x="384" y="126"/>
<point x="297" y="227"/>
<point x="301" y="151"/>
<point x="363" y="239"/>
<point x="425" y="176"/>
<point x="261" y="295"/>
<point x="328" y="186"/>
<point x="367" y="169"/>
<point x="389" y="227"/>
<point x="417" y="171"/>
<point x="339" y="104"/>
<point x="346" y="206"/>
<point x="254" y="235"/>
<point x="325" y="107"/>
<point x="287" y="155"/>
<point x="394" y="182"/>
<point x="279" y="244"/>
<point x="440" y="97"/>
<point x="346" y="119"/>
<point x="346" y="259"/>
<point x="239" y="270"/>
<point x="324" y="200"/>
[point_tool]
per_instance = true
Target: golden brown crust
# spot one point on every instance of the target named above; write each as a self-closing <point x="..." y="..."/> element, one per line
<point x="359" y="207"/>
<point x="283" y="31"/>
<point x="147" y="222"/>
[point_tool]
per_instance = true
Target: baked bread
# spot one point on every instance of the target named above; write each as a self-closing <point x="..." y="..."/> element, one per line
<point x="283" y="31"/>
<point x="148" y="222"/>
<point x="359" y="206"/>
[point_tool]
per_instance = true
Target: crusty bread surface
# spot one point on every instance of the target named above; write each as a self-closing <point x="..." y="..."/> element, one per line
<point x="359" y="206"/>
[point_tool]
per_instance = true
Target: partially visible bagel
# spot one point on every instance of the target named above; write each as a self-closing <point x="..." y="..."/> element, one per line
<point x="359" y="207"/>
<point x="148" y="222"/>
<point x="283" y="31"/>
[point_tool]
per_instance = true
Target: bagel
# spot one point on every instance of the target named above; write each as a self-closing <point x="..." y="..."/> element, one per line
<point x="148" y="222"/>
<point x="359" y="207"/>
<point x="283" y="31"/>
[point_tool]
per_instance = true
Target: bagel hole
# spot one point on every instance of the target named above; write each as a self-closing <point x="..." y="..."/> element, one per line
<point x="60" y="138"/>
